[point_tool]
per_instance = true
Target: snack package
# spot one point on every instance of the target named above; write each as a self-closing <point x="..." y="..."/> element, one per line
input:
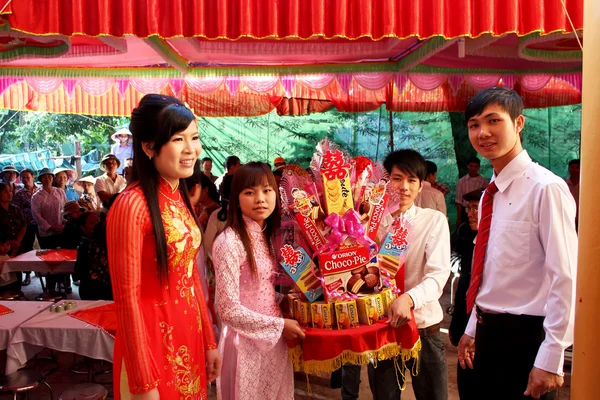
<point x="299" y="266"/>
<point x="303" y="313"/>
<point x="346" y="314"/>
<point x="323" y="315"/>
<point x="300" y="202"/>
<point x="388" y="296"/>
<point x="291" y="298"/>
<point x="335" y="173"/>
<point x="371" y="197"/>
<point x="372" y="208"/>
<point x="379" y="305"/>
<point x="392" y="252"/>
<point x="344" y="272"/>
<point x="367" y="310"/>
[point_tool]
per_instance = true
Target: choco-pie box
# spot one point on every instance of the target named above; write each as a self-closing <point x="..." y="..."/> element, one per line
<point x="299" y="266"/>
<point x="342" y="269"/>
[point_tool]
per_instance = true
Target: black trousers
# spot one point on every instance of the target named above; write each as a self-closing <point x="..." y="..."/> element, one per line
<point x="429" y="383"/>
<point x="505" y="349"/>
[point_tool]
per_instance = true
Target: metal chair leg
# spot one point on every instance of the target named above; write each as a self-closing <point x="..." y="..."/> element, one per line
<point x="50" y="389"/>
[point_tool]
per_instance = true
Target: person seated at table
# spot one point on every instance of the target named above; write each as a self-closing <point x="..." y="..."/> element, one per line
<point x="91" y="267"/>
<point x="8" y="281"/>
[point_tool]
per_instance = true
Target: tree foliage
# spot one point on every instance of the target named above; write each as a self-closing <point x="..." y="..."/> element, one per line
<point x="31" y="131"/>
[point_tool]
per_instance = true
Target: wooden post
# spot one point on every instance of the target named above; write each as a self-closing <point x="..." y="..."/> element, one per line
<point x="586" y="351"/>
<point x="78" y="158"/>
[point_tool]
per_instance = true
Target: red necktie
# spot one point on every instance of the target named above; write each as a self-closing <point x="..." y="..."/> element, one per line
<point x="483" y="235"/>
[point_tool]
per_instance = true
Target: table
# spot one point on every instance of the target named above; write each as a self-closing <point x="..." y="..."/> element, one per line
<point x="64" y="262"/>
<point x="30" y="261"/>
<point x="61" y="332"/>
<point x="23" y="311"/>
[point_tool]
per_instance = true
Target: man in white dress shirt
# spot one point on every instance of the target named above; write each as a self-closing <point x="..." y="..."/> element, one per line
<point x="430" y="197"/>
<point x="426" y="271"/>
<point x="524" y="306"/>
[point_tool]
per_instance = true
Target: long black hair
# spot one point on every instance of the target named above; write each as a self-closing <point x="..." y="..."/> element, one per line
<point x="250" y="175"/>
<point x="155" y="120"/>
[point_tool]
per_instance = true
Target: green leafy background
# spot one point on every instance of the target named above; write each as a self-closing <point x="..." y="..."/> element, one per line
<point x="551" y="135"/>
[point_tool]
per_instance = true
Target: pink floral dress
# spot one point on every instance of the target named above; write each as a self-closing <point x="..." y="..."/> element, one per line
<point x="255" y="356"/>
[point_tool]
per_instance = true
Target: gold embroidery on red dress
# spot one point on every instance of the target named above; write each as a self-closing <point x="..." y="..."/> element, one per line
<point x="188" y="380"/>
<point x="179" y="228"/>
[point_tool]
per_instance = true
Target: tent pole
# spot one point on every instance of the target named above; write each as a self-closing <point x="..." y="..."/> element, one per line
<point x="586" y="351"/>
<point x="391" y="131"/>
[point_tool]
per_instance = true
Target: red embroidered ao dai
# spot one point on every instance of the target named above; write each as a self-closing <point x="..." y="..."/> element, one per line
<point x="164" y="327"/>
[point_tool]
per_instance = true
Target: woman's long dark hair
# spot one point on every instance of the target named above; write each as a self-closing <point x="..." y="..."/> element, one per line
<point x="155" y="120"/>
<point x="250" y="175"/>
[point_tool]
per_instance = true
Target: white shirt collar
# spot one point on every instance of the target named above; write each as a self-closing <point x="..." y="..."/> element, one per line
<point x="512" y="170"/>
<point x="408" y="213"/>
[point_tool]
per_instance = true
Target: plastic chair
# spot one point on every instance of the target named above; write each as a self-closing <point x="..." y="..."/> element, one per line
<point x="85" y="391"/>
<point x="23" y="382"/>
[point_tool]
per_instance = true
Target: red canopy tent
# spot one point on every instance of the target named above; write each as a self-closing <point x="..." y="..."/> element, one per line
<point x="249" y="57"/>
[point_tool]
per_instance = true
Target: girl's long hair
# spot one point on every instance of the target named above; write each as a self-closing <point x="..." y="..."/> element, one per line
<point x="155" y="120"/>
<point x="250" y="175"/>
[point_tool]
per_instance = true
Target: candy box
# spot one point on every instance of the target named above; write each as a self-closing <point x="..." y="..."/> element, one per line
<point x="303" y="312"/>
<point x="379" y="305"/>
<point x="344" y="271"/>
<point x="372" y="207"/>
<point x="323" y="315"/>
<point x="307" y="211"/>
<point x="367" y="310"/>
<point x="335" y="173"/>
<point x="388" y="296"/>
<point x="299" y="266"/>
<point x="392" y="250"/>
<point x="291" y="301"/>
<point x="346" y="314"/>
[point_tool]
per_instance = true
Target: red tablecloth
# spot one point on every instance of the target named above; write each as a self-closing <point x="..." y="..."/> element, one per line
<point x="324" y="351"/>
<point x="104" y="317"/>
<point x="5" y="310"/>
<point x="53" y="258"/>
